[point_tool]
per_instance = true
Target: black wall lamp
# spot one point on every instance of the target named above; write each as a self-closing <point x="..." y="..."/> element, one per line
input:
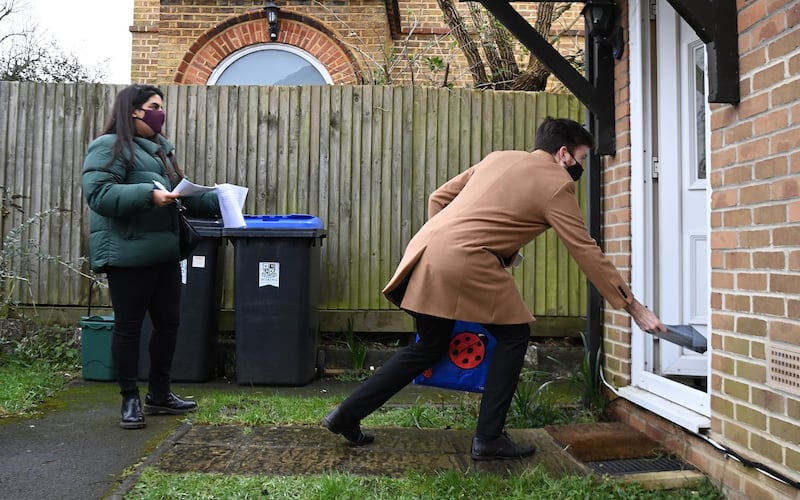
<point x="602" y="23"/>
<point x="272" y="17"/>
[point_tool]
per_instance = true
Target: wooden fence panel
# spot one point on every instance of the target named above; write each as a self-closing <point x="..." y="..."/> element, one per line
<point x="364" y="159"/>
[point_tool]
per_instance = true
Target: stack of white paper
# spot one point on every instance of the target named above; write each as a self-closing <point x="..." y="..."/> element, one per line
<point x="231" y="202"/>
<point x="231" y="199"/>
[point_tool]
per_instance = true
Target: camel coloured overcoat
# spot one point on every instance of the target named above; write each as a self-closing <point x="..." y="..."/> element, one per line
<point x="456" y="265"/>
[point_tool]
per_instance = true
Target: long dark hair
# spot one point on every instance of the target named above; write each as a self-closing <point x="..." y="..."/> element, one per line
<point x="120" y="122"/>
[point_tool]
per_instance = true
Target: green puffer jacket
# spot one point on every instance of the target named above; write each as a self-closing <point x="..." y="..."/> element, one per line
<point x="126" y="229"/>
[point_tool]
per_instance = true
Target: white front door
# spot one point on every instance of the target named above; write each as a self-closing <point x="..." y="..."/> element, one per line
<point x="682" y="196"/>
<point x="675" y="200"/>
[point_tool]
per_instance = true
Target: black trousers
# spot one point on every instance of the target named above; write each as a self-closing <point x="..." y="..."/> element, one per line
<point x="435" y="333"/>
<point x="135" y="291"/>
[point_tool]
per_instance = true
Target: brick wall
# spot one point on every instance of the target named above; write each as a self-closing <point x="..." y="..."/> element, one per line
<point x="755" y="239"/>
<point x="176" y="40"/>
<point x="145" y="41"/>
<point x="427" y="15"/>
<point x="179" y="31"/>
<point x="616" y="222"/>
<point x="211" y="48"/>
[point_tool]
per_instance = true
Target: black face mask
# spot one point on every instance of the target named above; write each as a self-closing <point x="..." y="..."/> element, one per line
<point x="575" y="171"/>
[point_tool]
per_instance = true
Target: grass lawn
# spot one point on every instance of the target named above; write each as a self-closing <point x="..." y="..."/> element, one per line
<point x="26" y="385"/>
<point x="535" y="485"/>
<point x="33" y="366"/>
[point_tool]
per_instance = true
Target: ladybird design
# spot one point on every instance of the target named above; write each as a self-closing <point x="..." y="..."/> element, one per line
<point x="467" y="350"/>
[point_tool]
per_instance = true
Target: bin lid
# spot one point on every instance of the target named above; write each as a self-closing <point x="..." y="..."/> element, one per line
<point x="291" y="225"/>
<point x="97" y="321"/>
<point x="209" y="228"/>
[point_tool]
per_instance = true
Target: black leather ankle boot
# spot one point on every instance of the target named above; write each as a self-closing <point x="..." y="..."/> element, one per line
<point x="132" y="416"/>
<point x="171" y="404"/>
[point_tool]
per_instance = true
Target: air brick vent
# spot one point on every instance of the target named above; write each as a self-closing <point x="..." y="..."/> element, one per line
<point x="783" y="363"/>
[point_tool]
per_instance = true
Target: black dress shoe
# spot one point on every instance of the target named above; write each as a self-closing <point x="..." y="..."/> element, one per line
<point x="499" y="448"/>
<point x="171" y="404"/>
<point x="132" y="417"/>
<point x="349" y="428"/>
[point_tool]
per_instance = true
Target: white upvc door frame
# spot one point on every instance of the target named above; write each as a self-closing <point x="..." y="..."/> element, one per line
<point x="676" y="402"/>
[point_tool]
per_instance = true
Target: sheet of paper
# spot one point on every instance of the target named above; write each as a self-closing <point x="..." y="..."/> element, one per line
<point x="231" y="201"/>
<point x="188" y="188"/>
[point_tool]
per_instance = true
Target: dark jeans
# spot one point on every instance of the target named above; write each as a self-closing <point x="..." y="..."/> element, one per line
<point x="135" y="291"/>
<point x="435" y="333"/>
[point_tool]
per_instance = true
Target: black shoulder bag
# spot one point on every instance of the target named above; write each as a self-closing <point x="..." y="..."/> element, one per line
<point x="189" y="237"/>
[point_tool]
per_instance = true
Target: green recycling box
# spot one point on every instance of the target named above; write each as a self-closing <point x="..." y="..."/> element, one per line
<point x="96" y="358"/>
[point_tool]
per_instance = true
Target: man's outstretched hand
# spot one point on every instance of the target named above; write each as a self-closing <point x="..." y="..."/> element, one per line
<point x="645" y="318"/>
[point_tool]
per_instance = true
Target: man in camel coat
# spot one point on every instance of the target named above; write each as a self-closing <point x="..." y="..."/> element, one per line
<point x="455" y="268"/>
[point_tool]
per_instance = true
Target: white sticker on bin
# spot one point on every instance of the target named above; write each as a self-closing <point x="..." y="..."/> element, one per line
<point x="199" y="261"/>
<point x="269" y="274"/>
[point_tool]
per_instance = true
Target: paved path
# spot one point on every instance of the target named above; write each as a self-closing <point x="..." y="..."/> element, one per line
<point x="76" y="450"/>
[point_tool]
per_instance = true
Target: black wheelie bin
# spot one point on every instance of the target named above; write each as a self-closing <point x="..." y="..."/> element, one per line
<point x="276" y="297"/>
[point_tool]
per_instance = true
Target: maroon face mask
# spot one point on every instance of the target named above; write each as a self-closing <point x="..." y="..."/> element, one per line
<point x="154" y="118"/>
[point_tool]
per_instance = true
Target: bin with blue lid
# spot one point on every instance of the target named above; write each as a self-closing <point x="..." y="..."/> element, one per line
<point x="276" y="298"/>
<point x="201" y="292"/>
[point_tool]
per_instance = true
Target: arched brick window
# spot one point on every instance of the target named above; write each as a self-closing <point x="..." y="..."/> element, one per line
<point x="222" y="43"/>
<point x="270" y="64"/>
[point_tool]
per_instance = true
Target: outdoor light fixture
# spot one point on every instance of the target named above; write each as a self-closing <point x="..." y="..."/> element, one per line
<point x="603" y="24"/>
<point x="272" y="17"/>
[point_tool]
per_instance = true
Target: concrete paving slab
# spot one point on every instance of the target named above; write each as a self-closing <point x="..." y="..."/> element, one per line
<point x="313" y="450"/>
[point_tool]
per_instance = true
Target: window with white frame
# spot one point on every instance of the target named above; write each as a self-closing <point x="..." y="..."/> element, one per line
<point x="270" y="64"/>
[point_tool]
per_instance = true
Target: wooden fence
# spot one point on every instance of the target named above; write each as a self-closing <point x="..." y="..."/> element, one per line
<point x="363" y="159"/>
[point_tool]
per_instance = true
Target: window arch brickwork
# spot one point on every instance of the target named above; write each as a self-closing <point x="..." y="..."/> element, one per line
<point x="238" y="32"/>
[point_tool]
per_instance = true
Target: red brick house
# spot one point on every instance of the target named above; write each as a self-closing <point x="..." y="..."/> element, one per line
<point x="701" y="201"/>
<point x="349" y="42"/>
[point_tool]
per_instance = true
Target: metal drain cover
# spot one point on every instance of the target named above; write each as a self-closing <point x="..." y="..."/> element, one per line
<point x="638" y="465"/>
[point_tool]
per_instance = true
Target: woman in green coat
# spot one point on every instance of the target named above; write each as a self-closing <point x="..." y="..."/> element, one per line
<point x="134" y="239"/>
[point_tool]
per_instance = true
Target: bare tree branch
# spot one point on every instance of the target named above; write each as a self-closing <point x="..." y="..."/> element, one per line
<point x="536" y="74"/>
<point x="393" y="57"/>
<point x="26" y="56"/>
<point x="499" y="46"/>
<point x="465" y="41"/>
<point x="7" y="9"/>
